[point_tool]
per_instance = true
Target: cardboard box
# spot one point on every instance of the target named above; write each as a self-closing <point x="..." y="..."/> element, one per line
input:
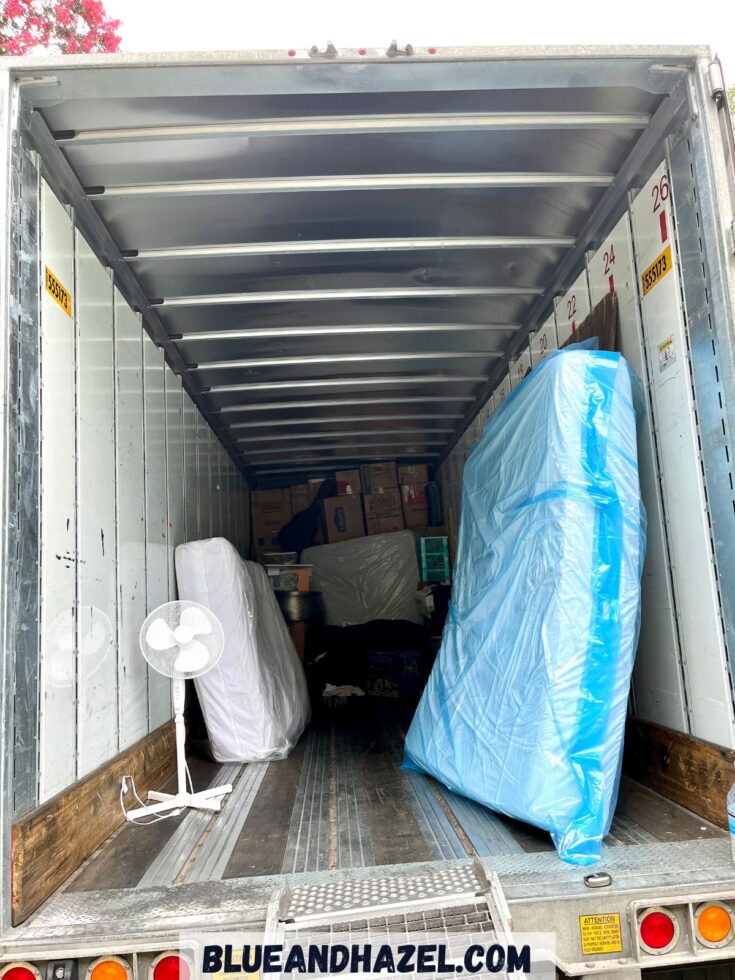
<point x="378" y="476"/>
<point x="384" y="512"/>
<point x="414" y="473"/>
<point x="342" y="518"/>
<point x="302" y="495"/>
<point x="385" y="504"/>
<point x="384" y="525"/>
<point x="415" y="504"/>
<point x="290" y="578"/>
<point x="348" y="482"/>
<point x="298" y="638"/>
<point x="271" y="511"/>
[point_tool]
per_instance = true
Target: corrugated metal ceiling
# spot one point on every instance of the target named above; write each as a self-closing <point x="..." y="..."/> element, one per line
<point x="356" y="306"/>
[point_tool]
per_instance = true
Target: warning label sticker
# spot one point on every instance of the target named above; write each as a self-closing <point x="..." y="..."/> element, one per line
<point x="666" y="354"/>
<point x="55" y="289"/>
<point x="600" y="934"/>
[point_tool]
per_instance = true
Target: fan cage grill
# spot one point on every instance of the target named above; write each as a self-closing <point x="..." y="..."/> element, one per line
<point x="164" y="661"/>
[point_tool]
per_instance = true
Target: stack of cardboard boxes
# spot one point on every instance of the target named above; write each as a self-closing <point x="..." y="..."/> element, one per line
<point x="375" y="499"/>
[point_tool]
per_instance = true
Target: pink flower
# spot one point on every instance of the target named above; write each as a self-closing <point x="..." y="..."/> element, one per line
<point x="93" y="11"/>
<point x="71" y="25"/>
<point x="13" y="8"/>
<point x="62" y="14"/>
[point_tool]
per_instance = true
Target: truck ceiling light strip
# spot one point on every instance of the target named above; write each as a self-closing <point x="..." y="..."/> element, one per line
<point x="413" y="356"/>
<point x="403" y="380"/>
<point x="312" y="295"/>
<point x="350" y="182"/>
<point x="347" y="419"/>
<point x="415" y="445"/>
<point x="341" y="245"/>
<point x="260" y="333"/>
<point x="338" y="403"/>
<point x="350" y="125"/>
<point x="349" y="434"/>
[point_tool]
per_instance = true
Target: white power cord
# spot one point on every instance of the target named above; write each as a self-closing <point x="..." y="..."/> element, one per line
<point x="141" y="822"/>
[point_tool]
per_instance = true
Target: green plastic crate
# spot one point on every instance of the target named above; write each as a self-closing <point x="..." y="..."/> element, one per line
<point x="434" y="558"/>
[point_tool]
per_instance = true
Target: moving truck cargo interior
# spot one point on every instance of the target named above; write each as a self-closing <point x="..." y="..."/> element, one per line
<point x="239" y="288"/>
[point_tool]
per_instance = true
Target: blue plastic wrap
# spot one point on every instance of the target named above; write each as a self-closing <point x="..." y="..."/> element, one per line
<point x="525" y="707"/>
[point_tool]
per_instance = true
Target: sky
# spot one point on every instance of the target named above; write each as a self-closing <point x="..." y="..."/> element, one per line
<point x="180" y="25"/>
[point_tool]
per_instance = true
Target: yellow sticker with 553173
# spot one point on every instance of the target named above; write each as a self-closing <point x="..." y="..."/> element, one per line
<point x="600" y="933"/>
<point x="55" y="289"/>
<point x="653" y="275"/>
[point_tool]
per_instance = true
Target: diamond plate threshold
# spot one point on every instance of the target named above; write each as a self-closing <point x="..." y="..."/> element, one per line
<point x="343" y="897"/>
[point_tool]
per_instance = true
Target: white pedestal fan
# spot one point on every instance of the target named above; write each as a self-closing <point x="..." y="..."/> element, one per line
<point x="181" y="640"/>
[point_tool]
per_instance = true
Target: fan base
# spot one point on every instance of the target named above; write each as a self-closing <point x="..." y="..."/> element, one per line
<point x="207" y="799"/>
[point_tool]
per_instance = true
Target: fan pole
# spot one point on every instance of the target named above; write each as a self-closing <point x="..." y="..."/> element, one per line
<point x="179" y="698"/>
<point x="207" y="799"/>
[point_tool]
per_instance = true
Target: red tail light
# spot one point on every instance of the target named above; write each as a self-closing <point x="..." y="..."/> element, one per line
<point x="658" y="930"/>
<point x="19" y="971"/>
<point x="170" y="966"/>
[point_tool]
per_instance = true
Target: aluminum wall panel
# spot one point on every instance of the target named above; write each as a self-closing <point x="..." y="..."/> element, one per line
<point x="520" y="367"/>
<point x="572" y="308"/>
<point x="502" y="391"/>
<point x="22" y="567"/>
<point x="58" y="735"/>
<point x="544" y="340"/>
<point x="202" y="477"/>
<point x="191" y="481"/>
<point x="695" y="588"/>
<point x="658" y="679"/>
<point x="156" y="506"/>
<point x="228" y="497"/>
<point x="175" y="472"/>
<point x="97" y="668"/>
<point x="131" y="552"/>
<point x="215" y="486"/>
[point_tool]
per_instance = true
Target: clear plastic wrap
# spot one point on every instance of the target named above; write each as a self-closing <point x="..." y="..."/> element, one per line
<point x="367" y="578"/>
<point x="255" y="702"/>
<point x="525" y="708"/>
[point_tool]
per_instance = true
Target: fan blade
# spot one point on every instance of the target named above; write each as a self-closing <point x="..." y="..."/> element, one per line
<point x="196" y="620"/>
<point x="192" y="657"/>
<point x="160" y="636"/>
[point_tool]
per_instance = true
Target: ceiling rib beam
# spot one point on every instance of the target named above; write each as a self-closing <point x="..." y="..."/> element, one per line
<point x="360" y="124"/>
<point x="61" y="177"/>
<point x="413" y="356"/>
<point x="328" y="462"/>
<point x="612" y="203"/>
<point x="392" y="445"/>
<point x="350" y="182"/>
<point x="349" y="434"/>
<point x="338" y="420"/>
<point x="402" y="380"/>
<point x="260" y="333"/>
<point x="326" y="295"/>
<point x="342" y="245"/>
<point x="339" y="403"/>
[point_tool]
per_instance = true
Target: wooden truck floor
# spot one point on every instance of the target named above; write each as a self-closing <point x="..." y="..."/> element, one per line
<point x="340" y="818"/>
<point x="342" y="801"/>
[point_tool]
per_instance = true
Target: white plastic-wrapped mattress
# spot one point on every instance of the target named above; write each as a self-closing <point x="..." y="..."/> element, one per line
<point x="255" y="702"/>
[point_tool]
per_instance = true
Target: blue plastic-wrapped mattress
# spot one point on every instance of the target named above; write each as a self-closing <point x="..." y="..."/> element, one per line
<point x="525" y="707"/>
